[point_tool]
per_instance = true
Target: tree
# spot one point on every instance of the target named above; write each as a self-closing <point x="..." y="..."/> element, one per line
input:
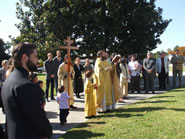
<point x="4" y="50"/>
<point x="180" y="48"/>
<point x="124" y="26"/>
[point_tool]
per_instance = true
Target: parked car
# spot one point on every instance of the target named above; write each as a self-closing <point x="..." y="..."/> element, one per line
<point x="40" y="69"/>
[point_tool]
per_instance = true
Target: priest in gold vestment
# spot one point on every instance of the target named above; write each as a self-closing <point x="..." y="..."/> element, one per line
<point x="106" y="93"/>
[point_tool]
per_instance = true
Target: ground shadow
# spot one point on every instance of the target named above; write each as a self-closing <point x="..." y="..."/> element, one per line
<point x="120" y="115"/>
<point x="143" y="109"/>
<point x="64" y="128"/>
<point x="159" y="101"/>
<point x="87" y="124"/>
<point x="51" y="114"/>
<point x="174" y="90"/>
<point x="78" y="109"/>
<point x="177" y="109"/>
<point x="161" y="97"/>
<point x="81" y="134"/>
<point x="80" y="100"/>
<point x="148" y="109"/>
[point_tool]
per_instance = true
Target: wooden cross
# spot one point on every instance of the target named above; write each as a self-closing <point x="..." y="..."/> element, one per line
<point x="68" y="47"/>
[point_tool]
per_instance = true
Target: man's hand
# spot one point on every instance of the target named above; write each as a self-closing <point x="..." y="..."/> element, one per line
<point x="150" y="71"/>
<point x="52" y="76"/>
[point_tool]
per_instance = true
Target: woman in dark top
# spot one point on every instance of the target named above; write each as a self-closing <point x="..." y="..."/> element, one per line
<point x="78" y="81"/>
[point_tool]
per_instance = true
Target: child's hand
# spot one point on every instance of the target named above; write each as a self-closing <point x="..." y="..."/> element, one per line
<point x="43" y="105"/>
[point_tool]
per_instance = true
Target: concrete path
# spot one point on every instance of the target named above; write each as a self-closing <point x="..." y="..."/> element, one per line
<point x="77" y="116"/>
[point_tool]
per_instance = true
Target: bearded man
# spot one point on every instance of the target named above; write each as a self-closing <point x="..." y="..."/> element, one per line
<point x="106" y="94"/>
<point x="21" y="98"/>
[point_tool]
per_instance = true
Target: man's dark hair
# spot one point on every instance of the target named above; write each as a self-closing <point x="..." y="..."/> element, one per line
<point x="20" y="49"/>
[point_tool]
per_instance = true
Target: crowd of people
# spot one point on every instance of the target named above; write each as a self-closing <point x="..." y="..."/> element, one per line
<point x="107" y="82"/>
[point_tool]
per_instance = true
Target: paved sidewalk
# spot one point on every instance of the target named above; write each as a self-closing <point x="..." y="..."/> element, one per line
<point x="77" y="116"/>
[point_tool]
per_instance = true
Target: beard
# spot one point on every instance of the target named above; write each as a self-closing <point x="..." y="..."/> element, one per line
<point x="31" y="66"/>
<point x="103" y="58"/>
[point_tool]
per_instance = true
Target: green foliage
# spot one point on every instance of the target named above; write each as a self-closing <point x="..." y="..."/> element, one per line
<point x="175" y="48"/>
<point x="124" y="26"/>
<point x="4" y="50"/>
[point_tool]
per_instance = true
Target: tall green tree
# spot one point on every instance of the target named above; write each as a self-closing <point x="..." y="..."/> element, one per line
<point x="124" y="26"/>
<point x="4" y="50"/>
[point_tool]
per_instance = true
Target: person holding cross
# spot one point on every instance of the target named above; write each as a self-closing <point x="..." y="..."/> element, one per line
<point x="66" y="71"/>
<point x="65" y="78"/>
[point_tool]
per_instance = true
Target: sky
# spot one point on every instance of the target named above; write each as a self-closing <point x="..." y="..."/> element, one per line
<point x="172" y="9"/>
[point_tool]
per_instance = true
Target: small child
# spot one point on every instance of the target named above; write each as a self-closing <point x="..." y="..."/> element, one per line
<point x="38" y="83"/>
<point x="62" y="100"/>
<point x="42" y="95"/>
<point x="90" y="108"/>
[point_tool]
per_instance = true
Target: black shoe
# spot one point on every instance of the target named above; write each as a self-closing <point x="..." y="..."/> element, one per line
<point x="153" y="92"/>
<point x="88" y="117"/>
<point x="47" y="100"/>
<point x="65" y="121"/>
<point x="53" y="98"/>
<point x="146" y="92"/>
<point x="62" y="123"/>
<point x="78" y="96"/>
<point x="73" y="107"/>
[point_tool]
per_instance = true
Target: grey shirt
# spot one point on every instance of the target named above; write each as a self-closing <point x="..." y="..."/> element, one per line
<point x="57" y="64"/>
<point x="149" y="64"/>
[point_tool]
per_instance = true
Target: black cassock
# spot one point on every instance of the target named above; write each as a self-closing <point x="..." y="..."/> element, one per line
<point x="78" y="81"/>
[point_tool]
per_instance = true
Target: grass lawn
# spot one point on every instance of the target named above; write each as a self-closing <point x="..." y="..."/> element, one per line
<point x="160" y="117"/>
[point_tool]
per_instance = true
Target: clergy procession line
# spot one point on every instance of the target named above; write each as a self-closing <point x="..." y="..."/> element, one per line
<point x="104" y="85"/>
<point x="111" y="78"/>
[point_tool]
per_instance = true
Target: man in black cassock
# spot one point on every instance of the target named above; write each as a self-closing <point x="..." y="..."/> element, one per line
<point x="25" y="117"/>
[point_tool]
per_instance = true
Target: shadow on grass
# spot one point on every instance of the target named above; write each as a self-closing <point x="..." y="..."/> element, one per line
<point x="82" y="125"/>
<point x="68" y="126"/>
<point x="81" y="134"/>
<point x="120" y="115"/>
<point x="148" y="109"/>
<point x="159" y="101"/>
<point x="161" y="97"/>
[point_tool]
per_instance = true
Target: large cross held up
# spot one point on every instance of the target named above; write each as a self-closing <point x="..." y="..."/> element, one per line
<point x="68" y="46"/>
